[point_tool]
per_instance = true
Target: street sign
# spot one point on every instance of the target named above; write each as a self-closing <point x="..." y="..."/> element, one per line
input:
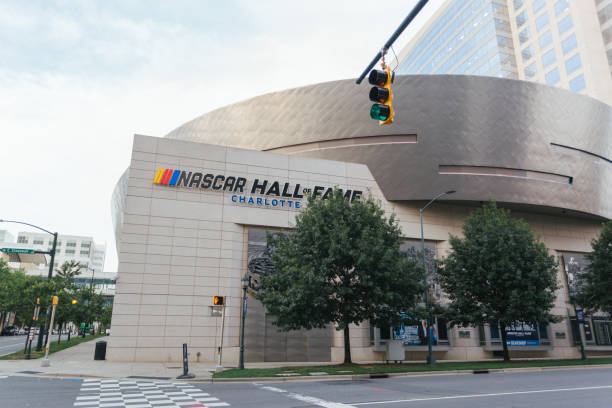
<point x="17" y="251"/>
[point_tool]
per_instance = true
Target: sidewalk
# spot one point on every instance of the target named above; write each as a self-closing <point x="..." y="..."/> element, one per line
<point x="78" y="361"/>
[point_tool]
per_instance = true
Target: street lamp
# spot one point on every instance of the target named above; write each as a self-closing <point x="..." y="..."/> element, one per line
<point x="49" y="276"/>
<point x="245" y="285"/>
<point x="430" y="357"/>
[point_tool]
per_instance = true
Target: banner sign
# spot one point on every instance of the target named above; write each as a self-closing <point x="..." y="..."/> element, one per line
<point x="259" y="192"/>
<point x="522" y="334"/>
<point x="575" y="265"/>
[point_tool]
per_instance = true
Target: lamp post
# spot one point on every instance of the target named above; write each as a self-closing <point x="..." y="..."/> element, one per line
<point x="430" y="357"/>
<point x="245" y="284"/>
<point x="49" y="276"/>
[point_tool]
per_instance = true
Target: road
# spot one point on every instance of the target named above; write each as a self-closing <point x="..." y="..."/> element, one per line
<point x="550" y="388"/>
<point x="10" y="344"/>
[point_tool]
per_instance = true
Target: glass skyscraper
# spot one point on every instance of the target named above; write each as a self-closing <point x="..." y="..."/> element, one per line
<point x="564" y="43"/>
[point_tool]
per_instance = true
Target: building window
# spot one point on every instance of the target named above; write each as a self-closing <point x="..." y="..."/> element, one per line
<point x="572" y="64"/>
<point x="69" y="251"/>
<point x="22" y="240"/>
<point x="58" y="251"/>
<point x="549" y="58"/>
<point x="527" y="53"/>
<point x="545" y="40"/>
<point x="605" y="14"/>
<point x="531" y="71"/>
<point x="569" y="44"/>
<point x="542" y="21"/>
<point x="603" y="331"/>
<point x="538" y="5"/>
<point x="85" y="244"/>
<point x="577" y="84"/>
<point x="38" y="242"/>
<point x="85" y="253"/>
<point x="521" y="19"/>
<point x="71" y="244"/>
<point x="552" y="77"/>
<point x="565" y="24"/>
<point x="524" y="36"/>
<point x="560" y="7"/>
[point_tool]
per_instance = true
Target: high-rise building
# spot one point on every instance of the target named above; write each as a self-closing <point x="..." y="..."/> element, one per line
<point x="69" y="247"/>
<point x="82" y="249"/>
<point x="563" y="43"/>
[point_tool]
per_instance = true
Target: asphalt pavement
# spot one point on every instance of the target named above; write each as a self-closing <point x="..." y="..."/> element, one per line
<point x="573" y="388"/>
<point x="10" y="344"/>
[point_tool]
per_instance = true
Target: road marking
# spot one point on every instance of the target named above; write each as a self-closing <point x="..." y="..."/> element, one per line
<point x="497" y="394"/>
<point x="304" y="398"/>
<point x="120" y="394"/>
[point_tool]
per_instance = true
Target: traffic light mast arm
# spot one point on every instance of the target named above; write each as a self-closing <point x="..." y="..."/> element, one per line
<point x="393" y="37"/>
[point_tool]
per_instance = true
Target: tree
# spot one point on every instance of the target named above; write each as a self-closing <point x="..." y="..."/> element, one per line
<point x="498" y="272"/>
<point x="68" y="271"/>
<point x="341" y="265"/>
<point x="65" y="288"/>
<point x="89" y="306"/>
<point x="596" y="291"/>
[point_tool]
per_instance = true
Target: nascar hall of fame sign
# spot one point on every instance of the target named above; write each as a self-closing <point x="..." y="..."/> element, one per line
<point x="259" y="192"/>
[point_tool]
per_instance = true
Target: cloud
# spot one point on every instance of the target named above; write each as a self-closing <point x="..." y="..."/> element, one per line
<point x="78" y="79"/>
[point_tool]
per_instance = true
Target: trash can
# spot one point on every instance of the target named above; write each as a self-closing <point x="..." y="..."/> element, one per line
<point x="100" y="353"/>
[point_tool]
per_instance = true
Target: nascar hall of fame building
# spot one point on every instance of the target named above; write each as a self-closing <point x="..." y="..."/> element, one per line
<point x="192" y="210"/>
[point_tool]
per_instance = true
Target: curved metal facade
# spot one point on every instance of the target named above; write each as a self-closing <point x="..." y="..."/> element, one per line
<point x="517" y="142"/>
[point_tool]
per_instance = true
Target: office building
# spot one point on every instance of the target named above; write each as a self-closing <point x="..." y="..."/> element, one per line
<point x="562" y="43"/>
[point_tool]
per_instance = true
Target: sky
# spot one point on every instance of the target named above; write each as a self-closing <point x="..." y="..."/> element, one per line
<point x="79" y="78"/>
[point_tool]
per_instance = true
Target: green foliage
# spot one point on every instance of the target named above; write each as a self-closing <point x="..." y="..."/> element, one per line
<point x="498" y="272"/>
<point x="596" y="294"/>
<point x="18" y="294"/>
<point x="378" y="368"/>
<point x="89" y="307"/>
<point x="65" y="289"/>
<point x="341" y="265"/>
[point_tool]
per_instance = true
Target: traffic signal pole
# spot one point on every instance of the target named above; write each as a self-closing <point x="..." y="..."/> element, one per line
<point x="419" y="6"/>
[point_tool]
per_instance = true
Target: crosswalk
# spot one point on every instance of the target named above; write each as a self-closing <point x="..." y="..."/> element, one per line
<point x="123" y="393"/>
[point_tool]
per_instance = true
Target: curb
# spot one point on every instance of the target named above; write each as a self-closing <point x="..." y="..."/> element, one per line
<point x="357" y="377"/>
<point x="353" y="377"/>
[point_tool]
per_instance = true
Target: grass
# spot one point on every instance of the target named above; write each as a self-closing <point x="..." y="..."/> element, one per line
<point x="53" y="347"/>
<point x="352" y="369"/>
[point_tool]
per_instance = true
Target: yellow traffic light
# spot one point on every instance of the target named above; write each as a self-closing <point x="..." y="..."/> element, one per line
<point x="74" y="301"/>
<point x="55" y="300"/>
<point x="218" y="300"/>
<point x="381" y="93"/>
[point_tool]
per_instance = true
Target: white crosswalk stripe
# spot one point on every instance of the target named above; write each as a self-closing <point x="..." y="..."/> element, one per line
<point x="142" y="394"/>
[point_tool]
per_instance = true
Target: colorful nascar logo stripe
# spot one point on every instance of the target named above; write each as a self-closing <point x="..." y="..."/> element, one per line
<point x="168" y="177"/>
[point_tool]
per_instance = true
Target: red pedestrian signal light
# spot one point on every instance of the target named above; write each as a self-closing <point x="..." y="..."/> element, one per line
<point x="381" y="93"/>
<point x="218" y="300"/>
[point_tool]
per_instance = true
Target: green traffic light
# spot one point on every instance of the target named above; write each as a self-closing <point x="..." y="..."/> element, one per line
<point x="380" y="112"/>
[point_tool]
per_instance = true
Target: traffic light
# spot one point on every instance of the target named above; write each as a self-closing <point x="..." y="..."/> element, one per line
<point x="218" y="300"/>
<point x="381" y="93"/>
<point x="74" y="301"/>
